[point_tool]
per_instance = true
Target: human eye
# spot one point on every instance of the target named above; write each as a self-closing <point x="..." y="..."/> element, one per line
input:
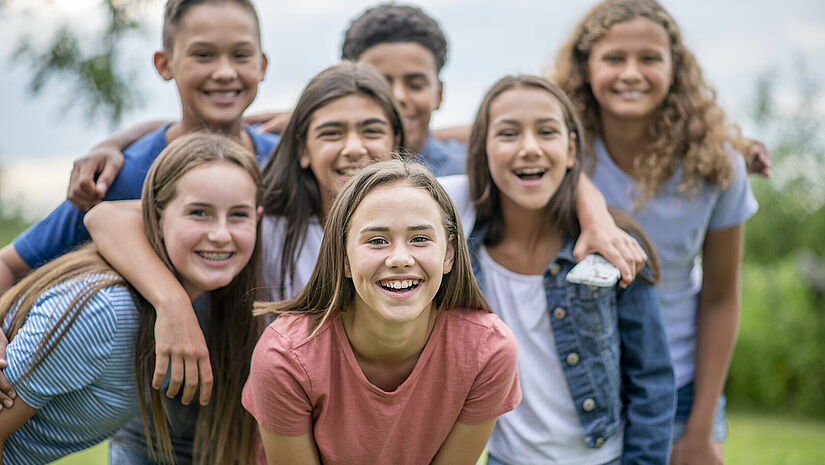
<point x="612" y="58"/>
<point x="377" y="241"/>
<point x="507" y="133"/>
<point x="652" y="58"/>
<point x="201" y="55"/>
<point x="548" y="131"/>
<point x="243" y="55"/>
<point x="240" y="214"/>
<point x="421" y="239"/>
<point x="418" y="83"/>
<point x="197" y="212"/>
<point x="330" y="134"/>
<point x="374" y="131"/>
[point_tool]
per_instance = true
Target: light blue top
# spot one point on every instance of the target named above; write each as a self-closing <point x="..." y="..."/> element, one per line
<point x="85" y="389"/>
<point x="676" y="223"/>
<point x="443" y="157"/>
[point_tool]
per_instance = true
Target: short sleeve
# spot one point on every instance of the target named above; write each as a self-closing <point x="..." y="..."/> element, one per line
<point x="276" y="392"/>
<point x="495" y="390"/>
<point x="52" y="236"/>
<point x="458" y="188"/>
<point x="76" y="361"/>
<point x="736" y="203"/>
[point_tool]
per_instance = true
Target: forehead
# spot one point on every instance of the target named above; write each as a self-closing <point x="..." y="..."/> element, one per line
<point x="217" y="22"/>
<point x="400" y="58"/>
<point x="640" y="32"/>
<point x="353" y="107"/>
<point x="216" y="182"/>
<point x="397" y="206"/>
<point x="522" y="103"/>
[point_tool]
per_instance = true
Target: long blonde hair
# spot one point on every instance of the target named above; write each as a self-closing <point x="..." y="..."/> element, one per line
<point x="225" y="433"/>
<point x="688" y="129"/>
<point x="329" y="292"/>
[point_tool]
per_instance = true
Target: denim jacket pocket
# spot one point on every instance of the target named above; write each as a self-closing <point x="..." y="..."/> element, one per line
<point x="596" y="308"/>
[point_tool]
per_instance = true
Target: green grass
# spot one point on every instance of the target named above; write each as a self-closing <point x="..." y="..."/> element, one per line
<point x="755" y="439"/>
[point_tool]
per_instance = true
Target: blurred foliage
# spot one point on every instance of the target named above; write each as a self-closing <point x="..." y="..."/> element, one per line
<point x="90" y="63"/>
<point x="779" y="363"/>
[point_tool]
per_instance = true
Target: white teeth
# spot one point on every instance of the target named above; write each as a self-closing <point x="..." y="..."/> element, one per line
<point x="405" y="284"/>
<point x="226" y="94"/>
<point x="529" y="171"/>
<point x="215" y="256"/>
<point x="631" y="95"/>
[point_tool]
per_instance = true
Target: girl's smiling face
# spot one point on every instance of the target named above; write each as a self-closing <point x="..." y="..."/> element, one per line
<point x="344" y="135"/>
<point x="209" y="227"/>
<point x="630" y="69"/>
<point x="397" y="253"/>
<point x="529" y="147"/>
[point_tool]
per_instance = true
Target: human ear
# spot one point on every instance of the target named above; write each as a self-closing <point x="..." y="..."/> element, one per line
<point x="449" y="256"/>
<point x="571" y="150"/>
<point x="260" y="211"/>
<point x="440" y="95"/>
<point x="347" y="271"/>
<point x="304" y="159"/>
<point x="264" y="63"/>
<point x="161" y="59"/>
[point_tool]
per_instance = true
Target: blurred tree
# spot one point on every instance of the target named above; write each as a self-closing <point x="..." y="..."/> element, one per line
<point x="792" y="203"/>
<point x="101" y="88"/>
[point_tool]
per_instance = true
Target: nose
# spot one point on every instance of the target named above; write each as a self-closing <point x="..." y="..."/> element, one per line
<point x="529" y="145"/>
<point x="354" y="147"/>
<point x="630" y="71"/>
<point x="224" y="70"/>
<point x="399" y="91"/>
<point x="219" y="232"/>
<point x="399" y="257"/>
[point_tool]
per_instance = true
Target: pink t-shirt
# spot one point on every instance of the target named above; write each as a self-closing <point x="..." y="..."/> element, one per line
<point x="467" y="372"/>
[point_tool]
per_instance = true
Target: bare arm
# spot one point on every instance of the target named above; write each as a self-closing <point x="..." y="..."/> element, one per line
<point x="12" y="268"/>
<point x="117" y="229"/>
<point x="464" y="444"/>
<point x="599" y="233"/>
<point x="274" y="122"/>
<point x="717" y="323"/>
<point x="103" y="162"/>
<point x="460" y="133"/>
<point x="13" y="418"/>
<point x="289" y="450"/>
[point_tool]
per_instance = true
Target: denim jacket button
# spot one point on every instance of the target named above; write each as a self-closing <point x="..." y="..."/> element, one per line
<point x="588" y="404"/>
<point x="572" y="358"/>
<point x="559" y="313"/>
<point x="554" y="269"/>
<point x="599" y="442"/>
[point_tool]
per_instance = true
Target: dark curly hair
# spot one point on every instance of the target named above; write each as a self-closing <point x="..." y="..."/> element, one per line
<point x="389" y="23"/>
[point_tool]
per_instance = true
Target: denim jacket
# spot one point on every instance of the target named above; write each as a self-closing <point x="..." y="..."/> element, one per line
<point x="614" y="355"/>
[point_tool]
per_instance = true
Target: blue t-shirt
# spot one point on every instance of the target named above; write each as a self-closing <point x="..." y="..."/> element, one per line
<point x="443" y="157"/>
<point x="63" y="229"/>
<point x="677" y="223"/>
<point x="85" y="389"/>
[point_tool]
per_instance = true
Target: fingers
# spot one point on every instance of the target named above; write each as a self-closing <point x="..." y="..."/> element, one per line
<point x="161" y="365"/>
<point x="7" y="393"/>
<point x="191" y="380"/>
<point x="205" y="370"/>
<point x="111" y="167"/>
<point x="81" y="191"/>
<point x="175" y="376"/>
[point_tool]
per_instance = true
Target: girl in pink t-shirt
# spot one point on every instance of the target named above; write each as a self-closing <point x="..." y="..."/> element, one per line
<point x="390" y="353"/>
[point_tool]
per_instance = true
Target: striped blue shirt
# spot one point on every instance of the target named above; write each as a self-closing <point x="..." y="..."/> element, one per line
<point x="85" y="389"/>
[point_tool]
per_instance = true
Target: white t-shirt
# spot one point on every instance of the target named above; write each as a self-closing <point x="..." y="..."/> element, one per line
<point x="676" y="224"/>
<point x="272" y="234"/>
<point x="545" y="427"/>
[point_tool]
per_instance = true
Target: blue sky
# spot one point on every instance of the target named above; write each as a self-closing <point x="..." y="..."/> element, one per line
<point x="735" y="41"/>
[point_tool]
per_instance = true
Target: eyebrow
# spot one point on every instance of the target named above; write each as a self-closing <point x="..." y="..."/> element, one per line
<point x="516" y="123"/>
<point x="210" y="205"/>
<point x="245" y="43"/>
<point x="418" y="227"/>
<point x="360" y="124"/>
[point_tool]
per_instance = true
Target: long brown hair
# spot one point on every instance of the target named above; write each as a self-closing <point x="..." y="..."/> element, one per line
<point x="329" y="292"/>
<point x="225" y="433"/>
<point x="293" y="192"/>
<point x="486" y="196"/>
<point x="688" y="129"/>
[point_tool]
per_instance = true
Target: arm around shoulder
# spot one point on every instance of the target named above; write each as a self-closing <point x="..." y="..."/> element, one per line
<point x="12" y="267"/>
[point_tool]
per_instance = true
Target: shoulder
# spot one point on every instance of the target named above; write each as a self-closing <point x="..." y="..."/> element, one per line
<point x="290" y="334"/>
<point x="485" y="328"/>
<point x="147" y="147"/>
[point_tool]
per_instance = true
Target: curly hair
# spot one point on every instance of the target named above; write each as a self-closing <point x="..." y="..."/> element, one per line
<point x="689" y="129"/>
<point x="390" y="23"/>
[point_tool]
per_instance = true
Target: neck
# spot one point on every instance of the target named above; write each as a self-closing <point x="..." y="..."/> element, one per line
<point x="624" y="139"/>
<point x="385" y="343"/>
<point x="530" y="241"/>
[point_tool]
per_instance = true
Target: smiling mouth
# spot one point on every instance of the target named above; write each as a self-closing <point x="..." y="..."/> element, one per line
<point x="630" y="94"/>
<point x="215" y="256"/>
<point x="222" y="94"/>
<point x="530" y="174"/>
<point x="399" y="285"/>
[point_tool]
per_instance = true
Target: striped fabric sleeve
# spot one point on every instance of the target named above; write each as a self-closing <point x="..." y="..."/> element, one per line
<point x="81" y="355"/>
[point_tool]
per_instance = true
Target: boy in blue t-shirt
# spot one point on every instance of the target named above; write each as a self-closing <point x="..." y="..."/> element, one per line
<point x="212" y="50"/>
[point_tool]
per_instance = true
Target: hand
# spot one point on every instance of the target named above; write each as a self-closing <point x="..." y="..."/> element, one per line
<point x="758" y="159"/>
<point x="617" y="246"/>
<point x="7" y="393"/>
<point x="696" y="450"/>
<point x="103" y="162"/>
<point x="276" y="124"/>
<point x="179" y="340"/>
